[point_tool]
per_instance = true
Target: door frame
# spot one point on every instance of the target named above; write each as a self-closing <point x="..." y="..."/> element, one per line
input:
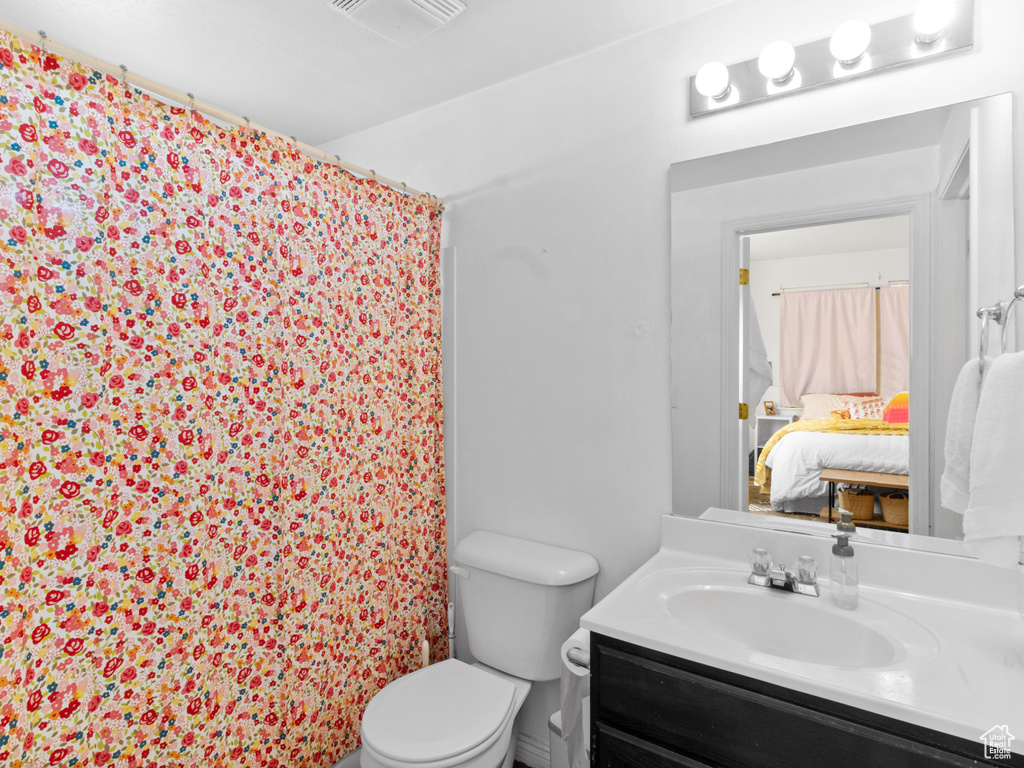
<point x="918" y="209"/>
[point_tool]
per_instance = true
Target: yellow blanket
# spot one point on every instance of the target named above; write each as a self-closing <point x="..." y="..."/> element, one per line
<point x="849" y="426"/>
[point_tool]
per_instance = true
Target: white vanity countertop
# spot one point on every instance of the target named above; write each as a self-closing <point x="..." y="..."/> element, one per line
<point x="973" y="681"/>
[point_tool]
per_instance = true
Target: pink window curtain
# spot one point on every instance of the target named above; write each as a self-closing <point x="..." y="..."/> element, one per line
<point x="827" y="343"/>
<point x="221" y="466"/>
<point x="894" y="340"/>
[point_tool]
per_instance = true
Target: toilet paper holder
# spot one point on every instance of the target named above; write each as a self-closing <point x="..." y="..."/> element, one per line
<point x="579" y="657"/>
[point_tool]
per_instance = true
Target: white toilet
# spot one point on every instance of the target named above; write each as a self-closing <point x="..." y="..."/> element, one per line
<point x="521" y="600"/>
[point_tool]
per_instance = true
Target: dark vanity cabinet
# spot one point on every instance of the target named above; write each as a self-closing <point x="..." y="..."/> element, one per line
<point x="652" y="710"/>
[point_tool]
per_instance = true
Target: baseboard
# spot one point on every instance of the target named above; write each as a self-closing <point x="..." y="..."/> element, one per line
<point x="532" y="751"/>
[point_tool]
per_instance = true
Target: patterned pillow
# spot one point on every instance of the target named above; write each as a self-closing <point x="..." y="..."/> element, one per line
<point x="819" y="406"/>
<point x="898" y="409"/>
<point x="867" y="408"/>
<point x="839" y="415"/>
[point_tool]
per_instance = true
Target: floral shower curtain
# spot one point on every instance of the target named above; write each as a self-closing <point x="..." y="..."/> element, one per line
<point x="221" y="467"/>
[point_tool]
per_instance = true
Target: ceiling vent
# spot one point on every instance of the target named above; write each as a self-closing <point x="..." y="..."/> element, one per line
<point x="403" y="22"/>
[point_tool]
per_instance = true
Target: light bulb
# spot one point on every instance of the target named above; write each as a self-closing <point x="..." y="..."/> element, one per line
<point x="931" y="19"/>
<point x="850" y="41"/>
<point x="713" y="80"/>
<point x="776" y="61"/>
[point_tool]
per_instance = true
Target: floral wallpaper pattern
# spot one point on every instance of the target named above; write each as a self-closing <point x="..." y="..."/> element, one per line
<point x="221" y="466"/>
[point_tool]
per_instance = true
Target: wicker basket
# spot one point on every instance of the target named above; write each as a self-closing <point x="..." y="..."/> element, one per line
<point x="858" y="502"/>
<point x="895" y="508"/>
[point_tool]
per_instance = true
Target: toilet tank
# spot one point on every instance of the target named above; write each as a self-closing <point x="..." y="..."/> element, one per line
<point x="522" y="600"/>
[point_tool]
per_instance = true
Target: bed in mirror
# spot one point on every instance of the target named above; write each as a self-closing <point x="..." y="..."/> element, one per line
<point x="844" y="270"/>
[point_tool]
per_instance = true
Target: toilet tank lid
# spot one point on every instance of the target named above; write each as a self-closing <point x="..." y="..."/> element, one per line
<point x="524" y="560"/>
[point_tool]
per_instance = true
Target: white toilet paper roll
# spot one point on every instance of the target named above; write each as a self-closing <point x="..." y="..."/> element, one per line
<point x="574" y="680"/>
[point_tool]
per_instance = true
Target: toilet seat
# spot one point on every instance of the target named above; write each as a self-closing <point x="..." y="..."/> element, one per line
<point x="441" y="715"/>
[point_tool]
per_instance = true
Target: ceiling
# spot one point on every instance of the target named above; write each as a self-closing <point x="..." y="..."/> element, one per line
<point x="302" y="69"/>
<point x="847" y="237"/>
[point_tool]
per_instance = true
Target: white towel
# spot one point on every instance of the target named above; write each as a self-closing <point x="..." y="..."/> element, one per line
<point x="994" y="519"/>
<point x="955" y="486"/>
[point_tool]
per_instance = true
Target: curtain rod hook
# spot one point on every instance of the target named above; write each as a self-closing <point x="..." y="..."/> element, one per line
<point x="191" y="103"/>
<point x="124" y="75"/>
<point x="373" y="174"/>
<point x="248" y="123"/>
<point x="42" y="41"/>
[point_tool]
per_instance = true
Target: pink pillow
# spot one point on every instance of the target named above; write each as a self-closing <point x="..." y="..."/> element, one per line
<point x="867" y="408"/>
<point x="898" y="409"/>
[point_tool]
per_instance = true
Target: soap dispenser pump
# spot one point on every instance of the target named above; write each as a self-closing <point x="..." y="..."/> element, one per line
<point x="845" y="524"/>
<point x="843" y="573"/>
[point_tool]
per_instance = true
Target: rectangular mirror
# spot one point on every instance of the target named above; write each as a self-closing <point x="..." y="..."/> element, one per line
<point x="893" y="233"/>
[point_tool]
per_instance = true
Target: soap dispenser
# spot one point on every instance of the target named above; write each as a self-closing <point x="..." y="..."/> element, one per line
<point x="843" y="573"/>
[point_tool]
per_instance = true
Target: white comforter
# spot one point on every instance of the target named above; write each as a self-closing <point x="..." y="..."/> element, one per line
<point x="798" y="458"/>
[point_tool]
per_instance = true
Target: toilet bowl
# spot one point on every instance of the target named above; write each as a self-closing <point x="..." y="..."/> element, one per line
<point x="520" y="600"/>
<point x="445" y="715"/>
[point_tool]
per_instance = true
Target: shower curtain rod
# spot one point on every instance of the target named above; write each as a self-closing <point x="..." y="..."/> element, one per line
<point x="836" y="287"/>
<point x="41" y="40"/>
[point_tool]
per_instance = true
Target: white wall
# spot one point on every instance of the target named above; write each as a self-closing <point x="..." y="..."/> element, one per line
<point x="556" y="189"/>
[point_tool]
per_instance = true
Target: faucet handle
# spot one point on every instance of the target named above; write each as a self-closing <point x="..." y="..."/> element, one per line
<point x="760" y="561"/>
<point x="806" y="570"/>
<point x="806" y="576"/>
<point x="760" y="567"/>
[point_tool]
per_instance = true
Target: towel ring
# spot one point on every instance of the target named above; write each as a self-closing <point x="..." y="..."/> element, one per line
<point x="1000" y="312"/>
<point x="1018" y="295"/>
<point x="996" y="312"/>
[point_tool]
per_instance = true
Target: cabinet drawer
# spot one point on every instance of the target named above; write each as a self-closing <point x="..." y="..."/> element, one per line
<point x="725" y="725"/>
<point x="620" y="750"/>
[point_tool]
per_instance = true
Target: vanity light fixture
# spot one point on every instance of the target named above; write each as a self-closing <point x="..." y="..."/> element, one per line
<point x="855" y="49"/>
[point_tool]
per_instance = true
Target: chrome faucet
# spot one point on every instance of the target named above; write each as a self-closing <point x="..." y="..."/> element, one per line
<point x="763" y="574"/>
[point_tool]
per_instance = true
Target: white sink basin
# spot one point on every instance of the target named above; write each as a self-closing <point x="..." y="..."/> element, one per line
<point x="810" y="630"/>
<point x="779" y="626"/>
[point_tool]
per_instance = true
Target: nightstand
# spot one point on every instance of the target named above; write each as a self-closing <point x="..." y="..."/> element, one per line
<point x="766" y="426"/>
